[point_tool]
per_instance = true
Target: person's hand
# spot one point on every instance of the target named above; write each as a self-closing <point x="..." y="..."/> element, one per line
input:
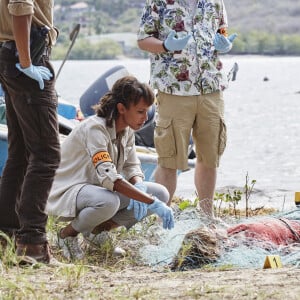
<point x="38" y="73"/>
<point x="164" y="212"/>
<point x="172" y="43"/>
<point x="139" y="208"/>
<point x="222" y="43"/>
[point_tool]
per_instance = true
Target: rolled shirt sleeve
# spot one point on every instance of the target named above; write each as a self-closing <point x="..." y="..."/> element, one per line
<point x="106" y="172"/>
<point x="21" y="8"/>
<point x="42" y="15"/>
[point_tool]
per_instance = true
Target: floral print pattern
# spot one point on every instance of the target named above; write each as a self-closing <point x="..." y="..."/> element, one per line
<point x="196" y="69"/>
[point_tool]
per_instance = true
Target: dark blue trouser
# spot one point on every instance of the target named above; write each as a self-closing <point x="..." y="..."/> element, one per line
<point x="33" y="151"/>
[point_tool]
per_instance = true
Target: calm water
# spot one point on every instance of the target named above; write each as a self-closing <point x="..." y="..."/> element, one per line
<point x="263" y="122"/>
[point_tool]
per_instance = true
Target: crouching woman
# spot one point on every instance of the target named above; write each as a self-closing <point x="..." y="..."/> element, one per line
<point x="99" y="183"/>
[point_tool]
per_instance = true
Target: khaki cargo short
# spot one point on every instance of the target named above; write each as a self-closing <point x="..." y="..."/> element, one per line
<point x="178" y="117"/>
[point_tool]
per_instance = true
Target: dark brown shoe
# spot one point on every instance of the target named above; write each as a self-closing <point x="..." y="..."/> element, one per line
<point x="31" y="253"/>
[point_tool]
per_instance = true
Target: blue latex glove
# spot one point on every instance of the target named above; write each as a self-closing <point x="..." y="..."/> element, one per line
<point x="139" y="208"/>
<point x="38" y="73"/>
<point x="164" y="212"/>
<point x="175" y="44"/>
<point x="222" y="43"/>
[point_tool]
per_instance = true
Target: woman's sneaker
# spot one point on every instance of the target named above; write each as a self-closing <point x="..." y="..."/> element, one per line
<point x="70" y="247"/>
<point x="98" y="240"/>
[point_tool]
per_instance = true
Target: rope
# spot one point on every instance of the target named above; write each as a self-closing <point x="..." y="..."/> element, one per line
<point x="290" y="228"/>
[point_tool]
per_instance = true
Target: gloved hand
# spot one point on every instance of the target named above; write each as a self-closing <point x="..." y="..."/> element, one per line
<point x="139" y="208"/>
<point x="175" y="44"/>
<point x="38" y="73"/>
<point x="164" y="212"/>
<point x="222" y="43"/>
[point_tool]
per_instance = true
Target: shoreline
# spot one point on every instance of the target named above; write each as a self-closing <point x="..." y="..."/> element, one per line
<point x="279" y="199"/>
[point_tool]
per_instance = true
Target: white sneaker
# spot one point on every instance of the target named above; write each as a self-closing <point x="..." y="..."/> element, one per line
<point x="97" y="240"/>
<point x="70" y="246"/>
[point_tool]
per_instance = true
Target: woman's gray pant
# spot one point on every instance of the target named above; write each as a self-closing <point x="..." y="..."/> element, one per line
<point x="96" y="205"/>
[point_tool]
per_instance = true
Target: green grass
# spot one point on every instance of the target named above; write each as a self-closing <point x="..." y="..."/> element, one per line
<point x="91" y="277"/>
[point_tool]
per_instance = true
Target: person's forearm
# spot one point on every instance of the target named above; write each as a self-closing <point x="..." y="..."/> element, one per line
<point x="151" y="44"/>
<point x="21" y="30"/>
<point x="125" y="188"/>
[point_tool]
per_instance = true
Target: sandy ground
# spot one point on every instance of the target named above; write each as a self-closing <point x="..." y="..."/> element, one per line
<point x="238" y="284"/>
<point x="127" y="278"/>
<point x="146" y="283"/>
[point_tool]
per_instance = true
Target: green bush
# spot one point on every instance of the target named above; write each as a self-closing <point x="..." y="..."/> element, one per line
<point x="85" y="50"/>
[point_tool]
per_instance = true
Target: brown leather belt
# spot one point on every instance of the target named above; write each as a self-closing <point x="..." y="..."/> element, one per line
<point x="11" y="45"/>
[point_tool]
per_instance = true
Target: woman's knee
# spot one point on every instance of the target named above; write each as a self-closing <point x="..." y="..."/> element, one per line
<point x="111" y="205"/>
<point x="107" y="206"/>
<point x="99" y="199"/>
<point x="158" y="190"/>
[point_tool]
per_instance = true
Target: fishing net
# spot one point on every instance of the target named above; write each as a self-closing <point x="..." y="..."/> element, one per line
<point x="196" y="242"/>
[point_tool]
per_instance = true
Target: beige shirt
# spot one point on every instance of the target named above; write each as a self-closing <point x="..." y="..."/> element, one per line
<point x="41" y="11"/>
<point x="91" y="154"/>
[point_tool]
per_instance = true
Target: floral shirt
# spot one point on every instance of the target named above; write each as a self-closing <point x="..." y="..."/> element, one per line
<point x="196" y="69"/>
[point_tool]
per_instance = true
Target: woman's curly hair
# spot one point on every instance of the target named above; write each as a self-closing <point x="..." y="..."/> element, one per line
<point x="127" y="90"/>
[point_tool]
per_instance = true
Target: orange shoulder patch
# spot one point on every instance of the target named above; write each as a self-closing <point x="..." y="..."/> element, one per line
<point x="101" y="157"/>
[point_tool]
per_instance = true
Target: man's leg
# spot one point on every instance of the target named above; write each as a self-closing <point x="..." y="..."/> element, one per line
<point x="205" y="182"/>
<point x="209" y="135"/>
<point x="36" y="114"/>
<point x="168" y="178"/>
<point x="13" y="173"/>
<point x="43" y="147"/>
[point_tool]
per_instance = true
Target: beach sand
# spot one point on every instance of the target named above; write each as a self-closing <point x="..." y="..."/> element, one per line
<point x="146" y="283"/>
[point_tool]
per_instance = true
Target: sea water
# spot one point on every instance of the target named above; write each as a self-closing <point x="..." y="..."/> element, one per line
<point x="262" y="113"/>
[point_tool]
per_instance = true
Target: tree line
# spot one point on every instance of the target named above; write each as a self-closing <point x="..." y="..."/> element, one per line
<point x="117" y="16"/>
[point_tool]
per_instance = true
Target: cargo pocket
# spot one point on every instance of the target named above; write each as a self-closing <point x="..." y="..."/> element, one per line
<point x="47" y="121"/>
<point x="222" y="137"/>
<point x="164" y="138"/>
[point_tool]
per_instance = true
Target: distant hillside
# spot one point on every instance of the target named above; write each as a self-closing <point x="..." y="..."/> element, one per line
<point x="244" y="15"/>
<point x="281" y="17"/>
<point x="268" y="27"/>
